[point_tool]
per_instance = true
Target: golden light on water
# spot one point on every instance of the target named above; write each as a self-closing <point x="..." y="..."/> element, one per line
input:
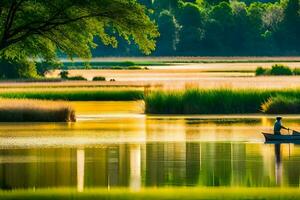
<point x="80" y="169"/>
<point x="107" y="107"/>
<point x="135" y="166"/>
<point x="135" y="150"/>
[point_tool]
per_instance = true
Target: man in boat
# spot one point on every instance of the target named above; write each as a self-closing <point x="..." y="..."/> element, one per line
<point x="278" y="126"/>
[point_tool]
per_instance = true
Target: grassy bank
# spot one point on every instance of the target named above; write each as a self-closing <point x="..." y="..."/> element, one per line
<point x="74" y="94"/>
<point x="23" y="110"/>
<point x="213" y="101"/>
<point x="189" y="101"/>
<point x="159" y="194"/>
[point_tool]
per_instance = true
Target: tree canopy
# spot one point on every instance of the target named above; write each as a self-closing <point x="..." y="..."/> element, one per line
<point x="43" y="29"/>
<point x="223" y="27"/>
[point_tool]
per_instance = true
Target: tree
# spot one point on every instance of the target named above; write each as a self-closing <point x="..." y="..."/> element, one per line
<point x="166" y="5"/>
<point x="256" y="29"/>
<point x="39" y="29"/>
<point x="168" y="27"/>
<point x="272" y="17"/>
<point x="215" y="2"/>
<point x="192" y="19"/>
<point x="291" y="25"/>
<point x="239" y="33"/>
<point x="219" y="28"/>
<point x="147" y="3"/>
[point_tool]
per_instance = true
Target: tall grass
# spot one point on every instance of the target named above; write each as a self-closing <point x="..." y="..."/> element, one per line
<point x="173" y="193"/>
<point x="211" y="101"/>
<point x="281" y="105"/>
<point x="24" y="110"/>
<point x="77" y="94"/>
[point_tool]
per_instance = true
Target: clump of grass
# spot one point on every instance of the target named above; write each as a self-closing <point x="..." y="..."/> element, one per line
<point x="158" y="102"/>
<point x="296" y="71"/>
<point x="281" y="105"/>
<point x="211" y="101"/>
<point x="24" y="110"/>
<point x="260" y="71"/>
<point x="276" y="70"/>
<point x="77" y="94"/>
<point x="99" y="78"/>
<point x="64" y="74"/>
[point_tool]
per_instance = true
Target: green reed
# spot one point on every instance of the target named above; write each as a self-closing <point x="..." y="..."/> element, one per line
<point x="212" y="101"/>
<point x="75" y="95"/>
<point x="281" y="105"/>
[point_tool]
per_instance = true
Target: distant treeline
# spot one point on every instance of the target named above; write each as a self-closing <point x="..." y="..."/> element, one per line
<point x="214" y="27"/>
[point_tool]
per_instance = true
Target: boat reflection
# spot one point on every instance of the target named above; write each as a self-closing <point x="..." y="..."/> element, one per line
<point x="278" y="164"/>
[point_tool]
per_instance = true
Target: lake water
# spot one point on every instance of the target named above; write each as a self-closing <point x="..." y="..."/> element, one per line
<point x="114" y="145"/>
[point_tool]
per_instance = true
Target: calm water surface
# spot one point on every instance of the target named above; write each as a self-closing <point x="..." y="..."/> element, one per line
<point x="115" y="145"/>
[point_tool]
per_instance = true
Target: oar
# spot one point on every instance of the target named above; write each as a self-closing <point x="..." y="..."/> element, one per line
<point x="288" y="129"/>
<point x="295" y="132"/>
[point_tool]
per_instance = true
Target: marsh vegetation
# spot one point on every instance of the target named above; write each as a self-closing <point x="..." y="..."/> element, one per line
<point x="219" y="101"/>
<point x="277" y="70"/>
<point x="74" y="93"/>
<point x="24" y="110"/>
<point x="281" y="105"/>
<point x="191" y="100"/>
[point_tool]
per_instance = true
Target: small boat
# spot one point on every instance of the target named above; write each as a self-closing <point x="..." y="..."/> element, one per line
<point x="282" y="138"/>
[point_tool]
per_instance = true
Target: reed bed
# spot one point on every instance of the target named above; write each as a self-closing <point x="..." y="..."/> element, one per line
<point x="74" y="94"/>
<point x="281" y="105"/>
<point x="213" y="101"/>
<point x="24" y="110"/>
<point x="173" y="193"/>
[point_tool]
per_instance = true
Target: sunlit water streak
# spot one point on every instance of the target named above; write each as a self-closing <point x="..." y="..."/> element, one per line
<point x="116" y="148"/>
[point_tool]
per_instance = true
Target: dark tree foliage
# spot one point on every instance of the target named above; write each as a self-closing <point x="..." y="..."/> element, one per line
<point x="291" y="25"/>
<point x="147" y="3"/>
<point x="169" y="27"/>
<point x="222" y="27"/>
<point x="192" y="19"/>
<point x="215" y="2"/>
<point x="165" y="4"/>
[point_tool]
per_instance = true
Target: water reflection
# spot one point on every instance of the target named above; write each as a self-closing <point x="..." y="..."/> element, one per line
<point x="143" y="151"/>
<point x="80" y="169"/>
<point x="151" y="164"/>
